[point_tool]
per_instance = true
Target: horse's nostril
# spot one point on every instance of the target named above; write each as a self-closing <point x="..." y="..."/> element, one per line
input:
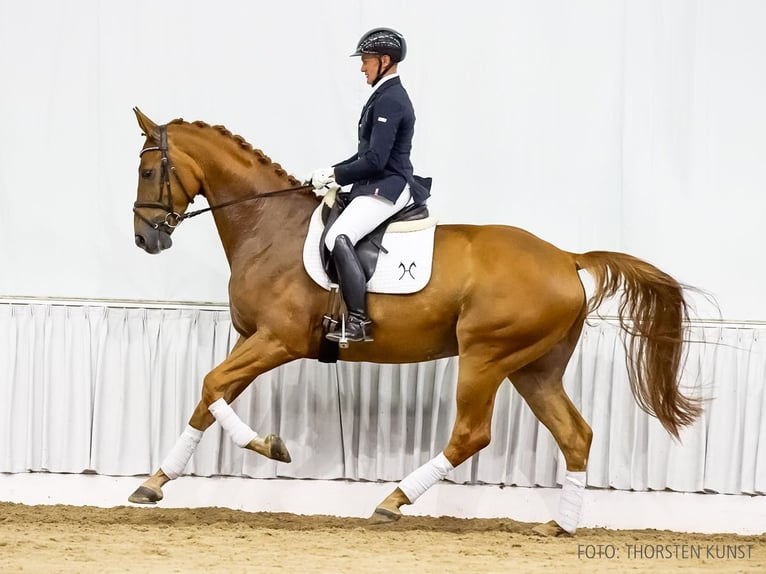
<point x="140" y="241"/>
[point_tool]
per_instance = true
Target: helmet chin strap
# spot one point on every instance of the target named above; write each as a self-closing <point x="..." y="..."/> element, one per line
<point x="381" y="70"/>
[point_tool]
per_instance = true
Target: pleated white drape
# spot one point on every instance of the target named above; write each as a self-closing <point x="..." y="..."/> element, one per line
<point x="109" y="389"/>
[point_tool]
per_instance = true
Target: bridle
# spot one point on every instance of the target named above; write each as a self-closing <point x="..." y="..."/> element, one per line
<point x="172" y="218"/>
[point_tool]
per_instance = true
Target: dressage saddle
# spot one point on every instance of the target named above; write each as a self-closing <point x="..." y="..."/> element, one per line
<point x="370" y="246"/>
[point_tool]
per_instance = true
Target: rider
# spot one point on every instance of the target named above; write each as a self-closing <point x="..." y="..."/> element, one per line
<point x="381" y="172"/>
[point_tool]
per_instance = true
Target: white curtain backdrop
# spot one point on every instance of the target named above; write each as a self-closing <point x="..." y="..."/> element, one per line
<point x="109" y="390"/>
<point x="628" y="125"/>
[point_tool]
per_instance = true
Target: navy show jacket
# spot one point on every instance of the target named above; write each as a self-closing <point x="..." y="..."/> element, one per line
<point x="382" y="163"/>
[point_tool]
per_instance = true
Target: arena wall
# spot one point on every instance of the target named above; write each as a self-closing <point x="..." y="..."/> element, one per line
<point x="602" y="508"/>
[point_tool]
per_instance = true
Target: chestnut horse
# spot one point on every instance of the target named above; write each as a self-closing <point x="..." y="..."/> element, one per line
<point x="507" y="303"/>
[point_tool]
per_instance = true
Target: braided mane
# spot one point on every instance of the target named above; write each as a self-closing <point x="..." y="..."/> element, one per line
<point x="244" y="144"/>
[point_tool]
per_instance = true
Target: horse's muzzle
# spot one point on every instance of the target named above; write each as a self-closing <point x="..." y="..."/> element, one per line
<point x="153" y="240"/>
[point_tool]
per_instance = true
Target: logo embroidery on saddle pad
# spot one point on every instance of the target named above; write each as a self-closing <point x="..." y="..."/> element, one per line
<point x="406" y="268"/>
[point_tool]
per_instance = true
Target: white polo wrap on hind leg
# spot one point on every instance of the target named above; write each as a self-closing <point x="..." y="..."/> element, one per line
<point x="240" y="433"/>
<point x="417" y="482"/>
<point x="178" y="457"/>
<point x="570" y="504"/>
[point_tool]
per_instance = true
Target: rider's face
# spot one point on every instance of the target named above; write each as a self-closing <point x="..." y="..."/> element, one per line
<point x="372" y="64"/>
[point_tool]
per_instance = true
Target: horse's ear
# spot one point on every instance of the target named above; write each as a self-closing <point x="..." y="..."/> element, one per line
<point x="149" y="128"/>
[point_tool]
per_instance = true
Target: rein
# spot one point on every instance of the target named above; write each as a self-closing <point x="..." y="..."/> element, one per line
<point x="172" y="218"/>
<point x="263" y="195"/>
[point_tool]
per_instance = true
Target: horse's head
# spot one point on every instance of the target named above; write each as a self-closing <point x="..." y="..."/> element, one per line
<point x="168" y="180"/>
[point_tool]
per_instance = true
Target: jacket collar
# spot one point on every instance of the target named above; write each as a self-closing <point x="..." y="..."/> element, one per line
<point x="380" y="88"/>
<point x="385" y="81"/>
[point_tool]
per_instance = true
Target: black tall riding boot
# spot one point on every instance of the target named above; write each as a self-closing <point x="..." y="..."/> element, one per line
<point x="353" y="286"/>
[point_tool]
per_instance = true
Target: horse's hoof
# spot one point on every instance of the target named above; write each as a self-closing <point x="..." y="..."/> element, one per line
<point x="383" y="516"/>
<point x="145" y="495"/>
<point x="277" y="448"/>
<point x="550" y="529"/>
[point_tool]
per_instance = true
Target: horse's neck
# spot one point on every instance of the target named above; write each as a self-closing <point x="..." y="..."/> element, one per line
<point x="253" y="225"/>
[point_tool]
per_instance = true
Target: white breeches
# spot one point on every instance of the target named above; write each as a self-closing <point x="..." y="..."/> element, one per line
<point x="364" y="214"/>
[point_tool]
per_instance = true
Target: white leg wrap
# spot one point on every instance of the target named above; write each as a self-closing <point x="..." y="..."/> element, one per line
<point x="240" y="433"/>
<point x="179" y="455"/>
<point x="570" y="504"/>
<point x="417" y="482"/>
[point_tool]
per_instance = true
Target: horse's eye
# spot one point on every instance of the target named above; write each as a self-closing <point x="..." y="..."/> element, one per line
<point x="147" y="173"/>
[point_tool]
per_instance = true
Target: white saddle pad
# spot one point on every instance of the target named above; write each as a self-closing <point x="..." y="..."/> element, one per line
<point x="406" y="268"/>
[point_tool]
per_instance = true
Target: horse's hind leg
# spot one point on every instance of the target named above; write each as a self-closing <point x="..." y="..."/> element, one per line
<point x="478" y="381"/>
<point x="539" y="380"/>
<point x="540" y="384"/>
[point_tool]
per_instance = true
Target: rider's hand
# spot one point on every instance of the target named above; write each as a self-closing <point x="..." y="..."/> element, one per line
<point x="322" y="178"/>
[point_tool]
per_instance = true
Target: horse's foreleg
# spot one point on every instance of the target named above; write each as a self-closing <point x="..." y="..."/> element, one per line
<point x="150" y="491"/>
<point x="258" y="354"/>
<point x="248" y="359"/>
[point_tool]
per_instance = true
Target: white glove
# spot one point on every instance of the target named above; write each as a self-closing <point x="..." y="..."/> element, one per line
<point x="323" y="178"/>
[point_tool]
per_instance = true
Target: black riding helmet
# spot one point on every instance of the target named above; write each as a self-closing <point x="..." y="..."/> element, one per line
<point x="381" y="41"/>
